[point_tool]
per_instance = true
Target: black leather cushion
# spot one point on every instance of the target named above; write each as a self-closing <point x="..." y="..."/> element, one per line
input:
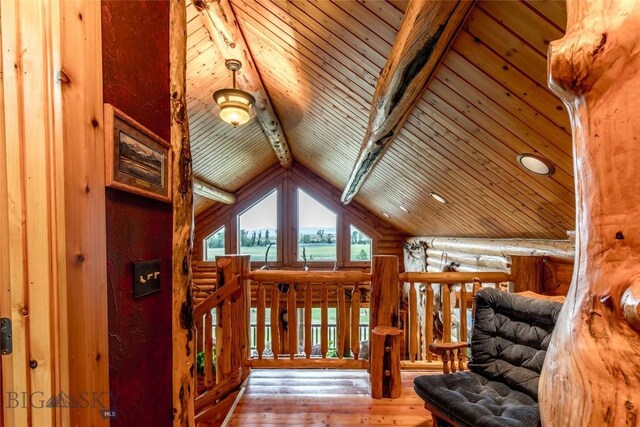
<point x="470" y="399"/>
<point x="510" y="337"/>
<point x="509" y="341"/>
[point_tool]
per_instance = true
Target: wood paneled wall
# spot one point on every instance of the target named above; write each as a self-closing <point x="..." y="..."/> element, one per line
<point x="548" y="263"/>
<point x="52" y="202"/>
<point x="386" y="240"/>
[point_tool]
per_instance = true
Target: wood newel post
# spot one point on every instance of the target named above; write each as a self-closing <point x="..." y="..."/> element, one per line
<point x="384" y="360"/>
<point x="528" y="273"/>
<point x="384" y="301"/>
<point x="590" y="376"/>
<point x="229" y="269"/>
<point x="386" y="381"/>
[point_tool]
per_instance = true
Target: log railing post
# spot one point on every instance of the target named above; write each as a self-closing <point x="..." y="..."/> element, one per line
<point x="590" y="375"/>
<point x="235" y="312"/>
<point x="384" y="308"/>
<point x="386" y="381"/>
<point x="385" y="303"/>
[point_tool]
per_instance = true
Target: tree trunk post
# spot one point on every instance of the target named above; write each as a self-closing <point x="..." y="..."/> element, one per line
<point x="590" y="376"/>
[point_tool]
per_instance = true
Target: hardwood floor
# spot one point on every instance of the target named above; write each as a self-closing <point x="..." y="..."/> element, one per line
<point x="320" y="397"/>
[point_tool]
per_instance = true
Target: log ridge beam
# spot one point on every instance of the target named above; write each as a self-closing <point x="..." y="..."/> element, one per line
<point x="222" y="25"/>
<point x="427" y="30"/>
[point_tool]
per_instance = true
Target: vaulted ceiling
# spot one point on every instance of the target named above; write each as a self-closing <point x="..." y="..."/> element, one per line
<point x="487" y="103"/>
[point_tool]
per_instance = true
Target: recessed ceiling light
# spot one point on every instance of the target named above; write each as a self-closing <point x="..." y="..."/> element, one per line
<point x="439" y="198"/>
<point x="386" y="214"/>
<point x="404" y="209"/>
<point x="536" y="164"/>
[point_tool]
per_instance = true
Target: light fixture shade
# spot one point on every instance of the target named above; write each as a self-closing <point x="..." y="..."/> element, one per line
<point x="536" y="164"/>
<point x="235" y="105"/>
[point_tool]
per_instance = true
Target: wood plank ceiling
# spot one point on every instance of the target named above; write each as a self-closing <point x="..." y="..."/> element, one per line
<point x="488" y="102"/>
<point x="223" y="156"/>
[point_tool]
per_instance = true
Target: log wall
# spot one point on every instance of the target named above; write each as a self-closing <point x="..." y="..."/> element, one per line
<point x="432" y="253"/>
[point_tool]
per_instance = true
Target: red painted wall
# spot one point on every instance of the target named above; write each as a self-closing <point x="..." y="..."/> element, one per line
<point x="135" y="52"/>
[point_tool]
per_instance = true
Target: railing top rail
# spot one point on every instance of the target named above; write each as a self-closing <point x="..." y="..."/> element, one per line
<point x="284" y="276"/>
<point x="217" y="297"/>
<point x="455" y="277"/>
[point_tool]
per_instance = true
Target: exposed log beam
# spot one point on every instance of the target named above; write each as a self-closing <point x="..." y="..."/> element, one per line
<point x="427" y="30"/>
<point x="207" y="190"/>
<point x="221" y="23"/>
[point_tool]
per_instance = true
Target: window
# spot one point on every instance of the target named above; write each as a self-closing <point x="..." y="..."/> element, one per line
<point x="317" y="227"/>
<point x="214" y="245"/>
<point x="258" y="227"/>
<point x="360" y="245"/>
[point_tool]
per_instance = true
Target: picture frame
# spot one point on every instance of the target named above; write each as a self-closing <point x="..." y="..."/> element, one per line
<point x="136" y="159"/>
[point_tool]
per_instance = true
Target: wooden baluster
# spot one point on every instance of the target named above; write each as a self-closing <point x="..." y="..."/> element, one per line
<point x="428" y="322"/>
<point x="342" y="314"/>
<point x="347" y="326"/>
<point x="452" y="361"/>
<point x="477" y="285"/>
<point x="223" y="354"/>
<point x="260" y="323"/>
<point x="504" y="286"/>
<point x="414" y="331"/>
<point x="446" y="312"/>
<point x="445" y="362"/>
<point x="307" y="320"/>
<point x="275" y="320"/>
<point x="324" y="321"/>
<point x="461" y="354"/>
<point x="462" y="330"/>
<point x="208" y="350"/>
<point x="355" y="321"/>
<point x="292" y="320"/>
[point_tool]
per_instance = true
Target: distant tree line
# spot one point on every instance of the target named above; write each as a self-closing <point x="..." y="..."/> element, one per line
<point x="253" y="238"/>
<point x="357" y="238"/>
<point x="319" y="237"/>
<point x="216" y="241"/>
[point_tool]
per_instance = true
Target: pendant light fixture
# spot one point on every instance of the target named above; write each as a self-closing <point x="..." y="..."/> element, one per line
<point x="235" y="104"/>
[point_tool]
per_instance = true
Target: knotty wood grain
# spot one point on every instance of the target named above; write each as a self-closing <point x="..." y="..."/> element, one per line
<point x="590" y="376"/>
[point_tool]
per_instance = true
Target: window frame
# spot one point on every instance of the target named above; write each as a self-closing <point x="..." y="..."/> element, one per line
<point x="279" y="262"/>
<point x="296" y="214"/>
<point x="287" y="184"/>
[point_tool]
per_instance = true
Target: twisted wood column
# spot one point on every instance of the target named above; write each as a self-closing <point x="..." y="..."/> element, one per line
<point x="592" y="371"/>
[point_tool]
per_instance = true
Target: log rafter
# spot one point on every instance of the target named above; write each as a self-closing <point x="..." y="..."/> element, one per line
<point x="427" y="30"/>
<point x="204" y="189"/>
<point x="220" y="21"/>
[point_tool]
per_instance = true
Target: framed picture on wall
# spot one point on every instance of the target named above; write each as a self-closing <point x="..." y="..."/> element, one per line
<point x="137" y="160"/>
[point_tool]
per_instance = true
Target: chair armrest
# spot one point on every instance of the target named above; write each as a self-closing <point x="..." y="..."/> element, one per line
<point x="450" y="351"/>
<point x="445" y="346"/>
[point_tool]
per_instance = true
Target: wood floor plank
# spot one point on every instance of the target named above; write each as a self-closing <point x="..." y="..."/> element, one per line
<point x="321" y="397"/>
